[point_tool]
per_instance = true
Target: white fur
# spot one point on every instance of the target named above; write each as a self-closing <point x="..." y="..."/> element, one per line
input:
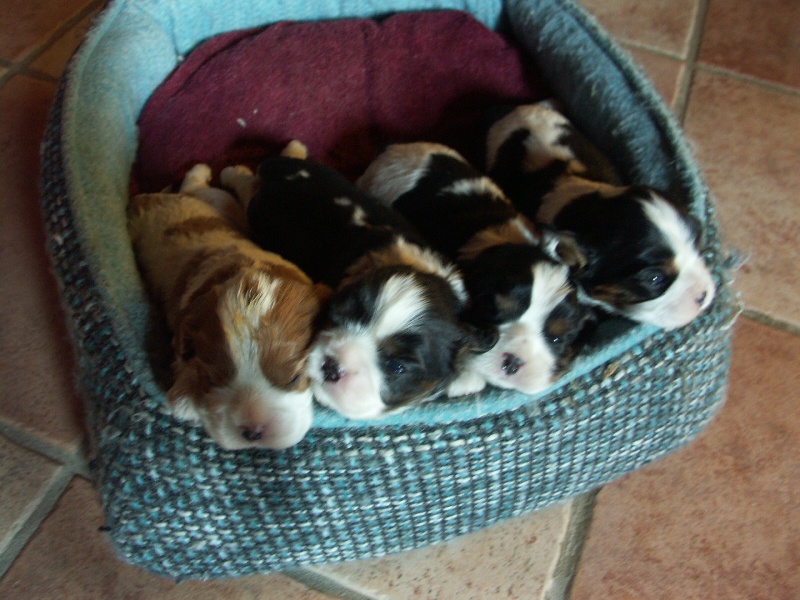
<point x="249" y="400"/>
<point x="398" y="169"/>
<point x="358" y="392"/>
<point x="542" y="147"/>
<point x="692" y="292"/>
<point x="480" y="185"/>
<point x="523" y="338"/>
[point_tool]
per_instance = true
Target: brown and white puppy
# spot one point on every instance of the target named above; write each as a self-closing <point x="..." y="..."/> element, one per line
<point x="242" y="318"/>
<point x="638" y="249"/>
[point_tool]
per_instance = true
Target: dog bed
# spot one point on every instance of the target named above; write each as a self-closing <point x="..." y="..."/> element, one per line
<point x="177" y="504"/>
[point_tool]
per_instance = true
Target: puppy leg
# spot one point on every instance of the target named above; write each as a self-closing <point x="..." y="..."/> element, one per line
<point x="295" y="149"/>
<point x="197" y="183"/>
<point x="469" y="381"/>
<point x="241" y="180"/>
<point x="198" y="177"/>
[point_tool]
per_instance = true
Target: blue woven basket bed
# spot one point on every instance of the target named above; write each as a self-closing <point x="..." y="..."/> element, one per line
<point x="176" y="504"/>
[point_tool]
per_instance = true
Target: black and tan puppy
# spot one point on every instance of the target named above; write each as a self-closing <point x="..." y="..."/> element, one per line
<point x="392" y="334"/>
<point x="513" y="283"/>
<point x="638" y="250"/>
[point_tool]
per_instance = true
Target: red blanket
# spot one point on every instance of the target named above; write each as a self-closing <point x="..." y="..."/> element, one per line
<point x="344" y="88"/>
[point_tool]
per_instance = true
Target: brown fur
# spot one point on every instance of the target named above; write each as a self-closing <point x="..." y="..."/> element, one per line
<point x="222" y="294"/>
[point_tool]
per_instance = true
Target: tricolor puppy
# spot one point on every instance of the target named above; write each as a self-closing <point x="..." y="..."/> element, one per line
<point x="637" y="250"/>
<point x="512" y="282"/>
<point x="242" y="318"/>
<point x="391" y="336"/>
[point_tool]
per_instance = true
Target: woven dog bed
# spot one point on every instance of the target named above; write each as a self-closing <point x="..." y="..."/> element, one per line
<point x="176" y="504"/>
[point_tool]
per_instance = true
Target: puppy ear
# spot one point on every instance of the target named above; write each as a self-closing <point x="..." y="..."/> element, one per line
<point x="192" y="335"/>
<point x="564" y="248"/>
<point x="479" y="339"/>
<point x="323" y="292"/>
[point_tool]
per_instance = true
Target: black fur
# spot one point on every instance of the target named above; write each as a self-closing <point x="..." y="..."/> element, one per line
<point x="421" y="359"/>
<point x="297" y="217"/>
<point x="315" y="217"/>
<point x="446" y="219"/>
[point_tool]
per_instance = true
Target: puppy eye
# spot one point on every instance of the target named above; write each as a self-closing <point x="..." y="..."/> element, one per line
<point x="556" y="340"/>
<point x="395" y="366"/>
<point x="653" y="278"/>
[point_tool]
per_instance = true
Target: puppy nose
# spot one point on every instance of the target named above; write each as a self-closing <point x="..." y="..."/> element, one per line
<point x="252" y="434"/>
<point x="331" y="370"/>
<point x="700" y="300"/>
<point x="512" y="363"/>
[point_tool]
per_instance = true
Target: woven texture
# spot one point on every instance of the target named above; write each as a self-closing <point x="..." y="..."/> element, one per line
<point x="178" y="505"/>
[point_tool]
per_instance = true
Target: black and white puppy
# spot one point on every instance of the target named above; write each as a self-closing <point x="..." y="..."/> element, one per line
<point x="391" y="335"/>
<point x="637" y="250"/>
<point x="512" y="282"/>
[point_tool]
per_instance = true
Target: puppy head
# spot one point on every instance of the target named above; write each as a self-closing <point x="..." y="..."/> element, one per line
<point x="641" y="256"/>
<point x="241" y="350"/>
<point x="392" y="338"/>
<point x="531" y="300"/>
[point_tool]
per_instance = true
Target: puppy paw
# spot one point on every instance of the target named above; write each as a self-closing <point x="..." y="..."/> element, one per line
<point x="183" y="408"/>
<point x="295" y="149"/>
<point x="199" y="176"/>
<point x="468" y="382"/>
<point x="230" y="175"/>
<point x="241" y="180"/>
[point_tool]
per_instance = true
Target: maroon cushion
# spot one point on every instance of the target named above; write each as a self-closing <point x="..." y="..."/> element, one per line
<point x="345" y="88"/>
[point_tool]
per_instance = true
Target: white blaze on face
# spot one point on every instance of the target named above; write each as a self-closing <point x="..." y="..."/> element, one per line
<point x="344" y="365"/>
<point x="522" y="359"/>
<point x="693" y="290"/>
<point x="249" y="411"/>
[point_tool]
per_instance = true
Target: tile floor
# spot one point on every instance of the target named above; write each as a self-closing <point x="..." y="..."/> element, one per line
<point x="719" y="519"/>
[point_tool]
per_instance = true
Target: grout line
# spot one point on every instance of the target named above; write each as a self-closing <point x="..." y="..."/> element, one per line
<point x="569" y="557"/>
<point x="320" y="582"/>
<point x="681" y="103"/>
<point x="74" y="460"/>
<point x="36" y="74"/>
<point x="638" y="45"/>
<point x="770" y="321"/>
<point x="49" y="499"/>
<point x="750" y="79"/>
<point x="21" y="66"/>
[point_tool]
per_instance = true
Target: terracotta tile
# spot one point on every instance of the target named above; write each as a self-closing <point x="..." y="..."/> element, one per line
<point x="514" y="559"/>
<point x="25" y="476"/>
<point x="35" y="357"/>
<point x="68" y="558"/>
<point x="761" y="39"/>
<point x="663" y="71"/>
<point x="27" y="23"/>
<point x="747" y="139"/>
<point x="660" y="24"/>
<point x="717" y="519"/>
<point x="53" y="61"/>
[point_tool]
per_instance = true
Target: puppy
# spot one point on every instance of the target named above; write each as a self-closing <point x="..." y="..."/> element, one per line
<point x="391" y="336"/>
<point x="242" y="318"/>
<point x="636" y="251"/>
<point x="512" y="282"/>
